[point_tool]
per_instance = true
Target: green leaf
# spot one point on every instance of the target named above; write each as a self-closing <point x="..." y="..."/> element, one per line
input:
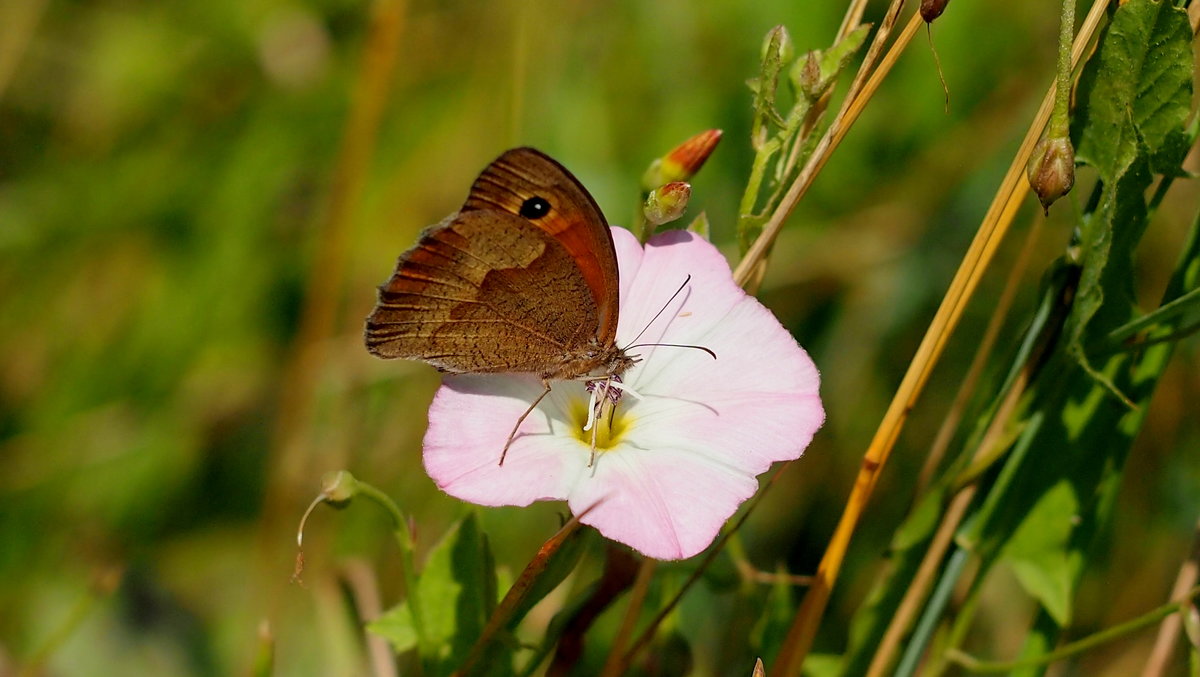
<point x="456" y="591"/>
<point x="1047" y="506"/>
<point x="822" y="665"/>
<point x="1037" y="551"/>
<point x="1137" y="89"/>
<point x="1105" y="298"/>
<point x="396" y="626"/>
<point x="776" y="51"/>
<point x="700" y="226"/>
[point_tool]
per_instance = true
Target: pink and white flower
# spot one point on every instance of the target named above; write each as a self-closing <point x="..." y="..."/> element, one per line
<point x="684" y="453"/>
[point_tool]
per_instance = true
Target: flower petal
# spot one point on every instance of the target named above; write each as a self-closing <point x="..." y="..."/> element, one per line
<point x="469" y="423"/>
<point x="664" y="502"/>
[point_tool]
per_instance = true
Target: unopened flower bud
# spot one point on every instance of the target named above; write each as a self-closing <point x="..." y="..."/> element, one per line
<point x="1051" y="169"/>
<point x="806" y="76"/>
<point x="683" y="162"/>
<point x="338" y="486"/>
<point x="815" y="72"/>
<point x="777" y="45"/>
<point x="666" y="203"/>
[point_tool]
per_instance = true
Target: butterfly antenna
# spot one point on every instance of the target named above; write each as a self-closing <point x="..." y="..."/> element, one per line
<point x="673" y="345"/>
<point x="660" y="312"/>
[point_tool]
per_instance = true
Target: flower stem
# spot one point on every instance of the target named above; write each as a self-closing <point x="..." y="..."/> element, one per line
<point x="407" y="566"/>
<point x="860" y="91"/>
<point x="1077" y="647"/>
<point x="1060" y="117"/>
<point x="641" y="586"/>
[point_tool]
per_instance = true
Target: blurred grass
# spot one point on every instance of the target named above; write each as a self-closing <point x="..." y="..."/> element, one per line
<point x="165" y="169"/>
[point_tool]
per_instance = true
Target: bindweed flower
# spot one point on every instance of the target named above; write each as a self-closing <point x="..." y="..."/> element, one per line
<point x="684" y="446"/>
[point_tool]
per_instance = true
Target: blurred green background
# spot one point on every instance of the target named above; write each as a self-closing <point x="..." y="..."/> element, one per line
<point x="195" y="212"/>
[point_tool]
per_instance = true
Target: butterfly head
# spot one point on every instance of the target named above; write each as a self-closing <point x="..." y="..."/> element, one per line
<point x="595" y="361"/>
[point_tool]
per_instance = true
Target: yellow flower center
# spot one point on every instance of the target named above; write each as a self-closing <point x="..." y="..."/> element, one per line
<point x="611" y="424"/>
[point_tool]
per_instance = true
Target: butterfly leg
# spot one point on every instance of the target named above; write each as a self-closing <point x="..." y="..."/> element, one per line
<point x="513" y="434"/>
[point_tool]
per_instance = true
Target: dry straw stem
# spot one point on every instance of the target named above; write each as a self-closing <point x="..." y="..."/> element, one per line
<point x="1168" y="632"/>
<point x="996" y="222"/>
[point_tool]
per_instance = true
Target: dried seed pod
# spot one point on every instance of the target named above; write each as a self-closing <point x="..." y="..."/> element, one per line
<point x="932" y="9"/>
<point x="1051" y="169"/>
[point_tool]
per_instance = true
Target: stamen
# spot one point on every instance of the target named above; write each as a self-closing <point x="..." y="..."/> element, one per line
<point x="623" y="388"/>
<point x="592" y="406"/>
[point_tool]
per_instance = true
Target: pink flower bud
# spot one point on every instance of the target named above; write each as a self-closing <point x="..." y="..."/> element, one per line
<point x="683" y="162"/>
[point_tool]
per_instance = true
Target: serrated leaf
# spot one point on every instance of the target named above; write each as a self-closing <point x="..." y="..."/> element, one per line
<point x="1137" y="89"/>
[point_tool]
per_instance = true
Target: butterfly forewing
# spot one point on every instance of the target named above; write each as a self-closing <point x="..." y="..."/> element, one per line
<point x="471" y="297"/>
<point x="574" y="220"/>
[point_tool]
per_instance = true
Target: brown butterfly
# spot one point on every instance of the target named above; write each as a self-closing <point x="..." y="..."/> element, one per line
<point x="523" y="279"/>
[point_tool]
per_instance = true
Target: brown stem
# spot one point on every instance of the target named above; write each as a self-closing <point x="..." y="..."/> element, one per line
<point x="637" y="600"/>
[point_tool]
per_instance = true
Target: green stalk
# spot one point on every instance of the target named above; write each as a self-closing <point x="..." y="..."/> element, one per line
<point x="1060" y="116"/>
<point x="407" y="566"/>
<point x="1077" y="647"/>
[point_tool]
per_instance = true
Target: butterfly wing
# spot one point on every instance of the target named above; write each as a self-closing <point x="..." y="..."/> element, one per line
<point x="502" y="287"/>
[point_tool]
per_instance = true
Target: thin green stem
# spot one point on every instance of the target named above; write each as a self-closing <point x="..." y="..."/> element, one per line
<point x="1077" y="647"/>
<point x="1060" y="117"/>
<point x="757" y="171"/>
<point x="407" y="560"/>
